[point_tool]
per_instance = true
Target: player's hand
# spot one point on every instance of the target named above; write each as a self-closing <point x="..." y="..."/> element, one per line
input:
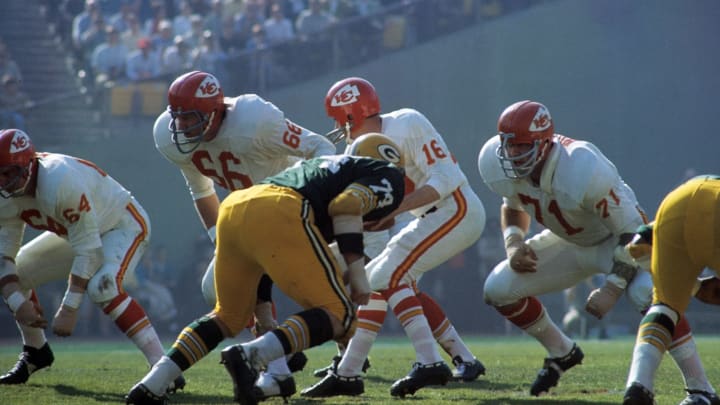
<point x="359" y="285"/>
<point x="65" y="320"/>
<point x="521" y="257"/>
<point x="29" y="314"/>
<point x="709" y="291"/>
<point x="603" y="299"/>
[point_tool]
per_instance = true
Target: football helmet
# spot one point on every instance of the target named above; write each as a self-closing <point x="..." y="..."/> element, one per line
<point x="525" y="122"/>
<point x="17" y="157"/>
<point x="377" y="146"/>
<point x="195" y="95"/>
<point x="349" y="102"/>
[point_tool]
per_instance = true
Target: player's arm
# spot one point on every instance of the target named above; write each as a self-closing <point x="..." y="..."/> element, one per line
<point x="26" y="312"/>
<point x="515" y="224"/>
<point x="346" y="211"/>
<point x="75" y="205"/>
<point x="205" y="199"/>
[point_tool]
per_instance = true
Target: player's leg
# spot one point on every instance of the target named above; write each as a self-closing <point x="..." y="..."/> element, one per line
<point x="560" y="265"/>
<point x="45" y="258"/>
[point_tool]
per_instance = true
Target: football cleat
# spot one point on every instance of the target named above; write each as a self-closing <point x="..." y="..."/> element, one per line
<point x="553" y="368"/>
<point x="420" y="376"/>
<point x="697" y="397"/>
<point x="297" y="362"/>
<point x="322" y="372"/>
<point x="176" y="385"/>
<point x="238" y="365"/>
<point x="467" y="370"/>
<point x="334" y="385"/>
<point x="141" y="395"/>
<point x="29" y="361"/>
<point x="636" y="394"/>
<point x="268" y="386"/>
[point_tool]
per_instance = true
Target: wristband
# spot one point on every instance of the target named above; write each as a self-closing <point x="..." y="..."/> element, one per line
<point x="72" y="299"/>
<point x="15" y="300"/>
<point x="212" y="233"/>
<point x="513" y="230"/>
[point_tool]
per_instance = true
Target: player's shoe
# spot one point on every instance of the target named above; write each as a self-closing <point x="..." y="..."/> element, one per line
<point x="269" y="385"/>
<point x="467" y="370"/>
<point x="29" y="361"/>
<point x="322" y="372"/>
<point x="239" y="366"/>
<point x="553" y="368"/>
<point x="297" y="362"/>
<point x="141" y="395"/>
<point x="697" y="397"/>
<point x="636" y="394"/>
<point x="420" y="376"/>
<point x="176" y="385"/>
<point x="334" y="385"/>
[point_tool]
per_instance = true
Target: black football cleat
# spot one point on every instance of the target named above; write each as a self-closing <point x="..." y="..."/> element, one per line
<point x="141" y="395"/>
<point x="698" y="397"/>
<point x="636" y="394"/>
<point x="333" y="385"/>
<point x="420" y="376"/>
<point x="177" y="385"/>
<point x="237" y="364"/>
<point x="29" y="361"/>
<point x="322" y="372"/>
<point x="297" y="362"/>
<point x="553" y="368"/>
<point x="269" y="386"/>
<point x="467" y="371"/>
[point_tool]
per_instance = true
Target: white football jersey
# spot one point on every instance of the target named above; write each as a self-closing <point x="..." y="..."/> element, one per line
<point x="581" y="197"/>
<point x="254" y="141"/>
<point x="73" y="198"/>
<point x="427" y="158"/>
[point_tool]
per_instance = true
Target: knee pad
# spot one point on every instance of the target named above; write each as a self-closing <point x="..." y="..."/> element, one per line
<point x="102" y="288"/>
<point x="208" y="285"/>
<point x="494" y="290"/>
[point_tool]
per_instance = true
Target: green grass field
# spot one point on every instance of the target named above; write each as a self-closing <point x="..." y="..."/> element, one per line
<point x="101" y="373"/>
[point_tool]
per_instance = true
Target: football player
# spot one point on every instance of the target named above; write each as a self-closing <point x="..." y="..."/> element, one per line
<point x="94" y="232"/>
<point x="678" y="246"/>
<point x="439" y="217"/>
<point x="231" y="143"/>
<point x="589" y="213"/>
<point x="283" y="227"/>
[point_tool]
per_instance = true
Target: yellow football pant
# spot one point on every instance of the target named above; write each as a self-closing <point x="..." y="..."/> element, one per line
<point x="686" y="239"/>
<point x="270" y="229"/>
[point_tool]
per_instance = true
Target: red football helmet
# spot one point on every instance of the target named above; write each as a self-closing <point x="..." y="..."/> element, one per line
<point x="197" y="100"/>
<point x="349" y="102"/>
<point x="525" y="122"/>
<point x="17" y="156"/>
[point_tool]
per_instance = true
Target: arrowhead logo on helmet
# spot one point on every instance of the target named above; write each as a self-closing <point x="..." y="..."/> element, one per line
<point x="348" y="94"/>
<point x="209" y="87"/>
<point x="20" y="142"/>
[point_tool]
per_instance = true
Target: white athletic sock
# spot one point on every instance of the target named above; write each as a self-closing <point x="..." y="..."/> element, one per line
<point x="645" y="362"/>
<point x="164" y="372"/>
<point x="550" y="336"/>
<point x="688" y="361"/>
<point x="356" y="353"/>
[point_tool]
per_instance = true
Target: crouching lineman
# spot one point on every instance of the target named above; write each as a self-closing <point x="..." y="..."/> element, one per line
<point x="681" y="243"/>
<point x="287" y="222"/>
<point x="589" y="213"/>
<point x="95" y="232"/>
<point x="232" y="143"/>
